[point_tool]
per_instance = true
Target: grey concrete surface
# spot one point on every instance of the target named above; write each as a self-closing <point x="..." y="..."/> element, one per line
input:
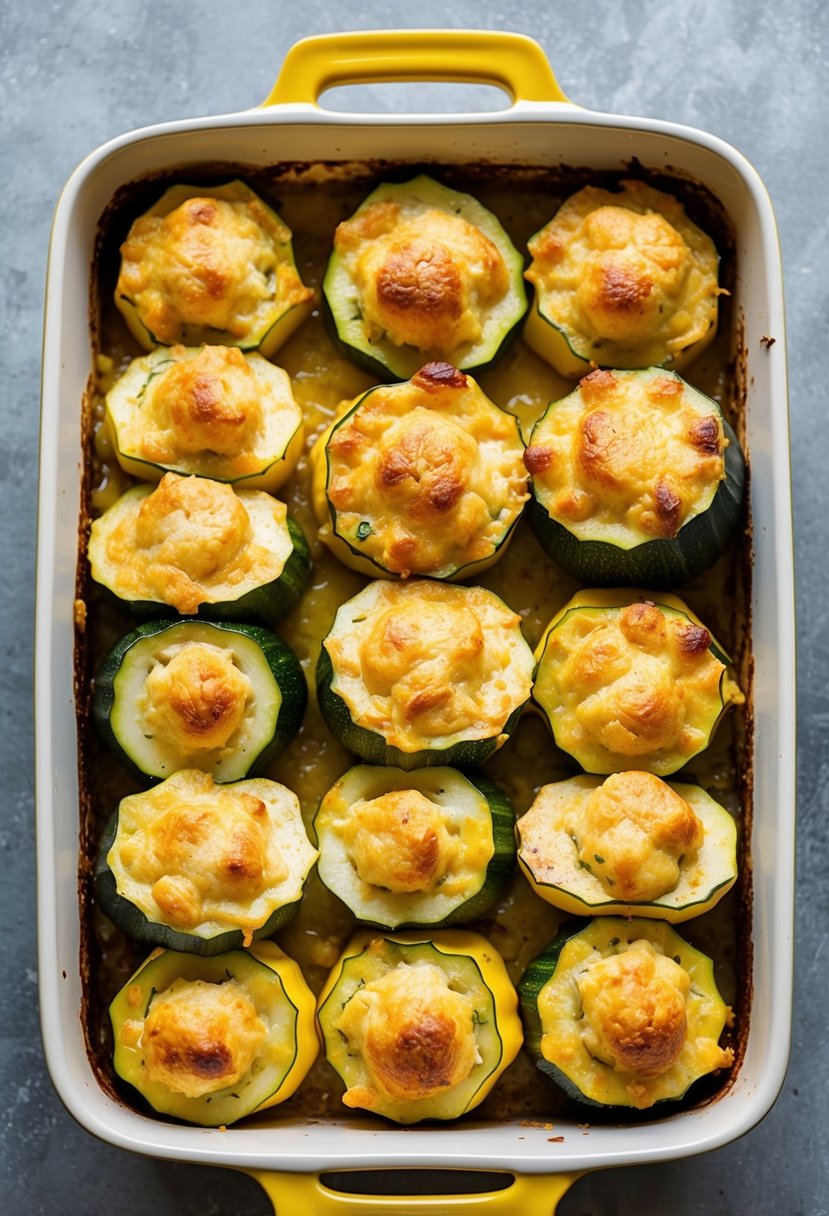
<point x="73" y="74"/>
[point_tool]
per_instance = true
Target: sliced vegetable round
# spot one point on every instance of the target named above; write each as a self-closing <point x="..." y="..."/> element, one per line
<point x="221" y="697"/>
<point x="422" y="673"/>
<point x="204" y="868"/>
<point x="629" y="683"/>
<point x="636" y="478"/>
<point x="427" y="847"/>
<point x="421" y="271"/>
<point x="624" y="1013"/>
<point x="629" y="845"/>
<point x="425" y="477"/>
<point x="211" y="264"/>
<point x="419" y="1027"/>
<point x="207" y="410"/>
<point x="210" y="1040"/>
<point x="622" y="278"/>
<point x="199" y="547"/>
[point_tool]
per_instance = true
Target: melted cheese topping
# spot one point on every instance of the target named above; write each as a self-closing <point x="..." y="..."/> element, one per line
<point x="632" y="687"/>
<point x="425" y="277"/>
<point x="641" y="830"/>
<point x="189" y="541"/>
<point x="428" y="664"/>
<point x="209" y="263"/>
<point x="209" y="410"/>
<point x="200" y="1037"/>
<point x="399" y="841"/>
<point x="416" y="1035"/>
<point x="197" y="700"/>
<point x="626" y="275"/>
<point x="203" y="857"/>
<point x="425" y="477"/>
<point x="628" y="457"/>
<point x="634" y="1009"/>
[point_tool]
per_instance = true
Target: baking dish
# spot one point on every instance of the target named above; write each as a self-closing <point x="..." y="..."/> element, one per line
<point x="541" y="127"/>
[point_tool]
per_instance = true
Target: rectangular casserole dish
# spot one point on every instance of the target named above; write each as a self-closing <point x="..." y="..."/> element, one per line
<point x="541" y="128"/>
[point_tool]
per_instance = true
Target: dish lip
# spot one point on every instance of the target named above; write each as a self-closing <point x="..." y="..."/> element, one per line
<point x="688" y="1132"/>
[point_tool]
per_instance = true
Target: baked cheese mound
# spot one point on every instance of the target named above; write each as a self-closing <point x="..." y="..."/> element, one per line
<point x="425" y="277"/>
<point x="427" y="664"/>
<point x="205" y="858"/>
<point x="399" y="841"/>
<point x="425" y="477"/>
<point x="641" y="830"/>
<point x="200" y="1037"/>
<point x="197" y="700"/>
<point x="210" y="263"/>
<point x="414" y="1033"/>
<point x="628" y="457"/>
<point x="637" y="682"/>
<point x="210" y="410"/>
<point x="634" y="1009"/>
<point x="189" y="541"/>
<point x="626" y="275"/>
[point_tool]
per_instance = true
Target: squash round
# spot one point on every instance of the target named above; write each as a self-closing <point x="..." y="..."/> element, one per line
<point x="267" y="987"/>
<point x="427" y="847"/>
<point x="664" y="853"/>
<point x="420" y="272"/>
<point x="419" y="1027"/>
<point x="242" y="289"/>
<point x="637" y="1032"/>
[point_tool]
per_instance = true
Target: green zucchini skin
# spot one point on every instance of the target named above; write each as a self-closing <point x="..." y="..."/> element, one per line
<point x="283" y="664"/>
<point x="499" y="869"/>
<point x="373" y="747"/>
<point x="659" y="563"/>
<point x="383" y="359"/>
<point x="132" y="921"/>
<point x="267" y="604"/>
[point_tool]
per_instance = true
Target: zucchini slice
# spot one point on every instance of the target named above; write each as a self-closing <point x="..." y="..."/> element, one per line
<point x="427" y="847"/>
<point x="628" y="683"/>
<point x="424" y="477"/>
<point x="204" y="868"/>
<point x="199" y="547"/>
<point x="211" y="264"/>
<point x="419" y="1027"/>
<point x="622" y="278"/>
<point x="210" y="1040"/>
<point x="637" y="478"/>
<point x="624" y="1013"/>
<point x="210" y="411"/>
<point x="422" y="673"/>
<point x="221" y="697"/>
<point x="422" y="272"/>
<point x="631" y="845"/>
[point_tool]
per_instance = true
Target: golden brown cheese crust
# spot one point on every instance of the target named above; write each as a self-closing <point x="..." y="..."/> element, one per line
<point x="634" y="832"/>
<point x="627" y="456"/>
<point x="424" y="279"/>
<point x="430" y="470"/>
<point x="430" y="662"/>
<point x="208" y="263"/>
<point x="197" y="700"/>
<point x="635" y="681"/>
<point x="634" y="1009"/>
<point x="625" y="272"/>
<point x="399" y="841"/>
<point x="200" y="1037"/>
<point x="190" y="541"/>
<point x="415" y="1035"/>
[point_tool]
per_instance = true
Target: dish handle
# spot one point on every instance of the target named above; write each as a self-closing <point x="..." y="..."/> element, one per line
<point x="512" y="62"/>
<point x="530" y="1194"/>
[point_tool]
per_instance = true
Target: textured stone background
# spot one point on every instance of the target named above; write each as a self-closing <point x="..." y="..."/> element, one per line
<point x="72" y="75"/>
